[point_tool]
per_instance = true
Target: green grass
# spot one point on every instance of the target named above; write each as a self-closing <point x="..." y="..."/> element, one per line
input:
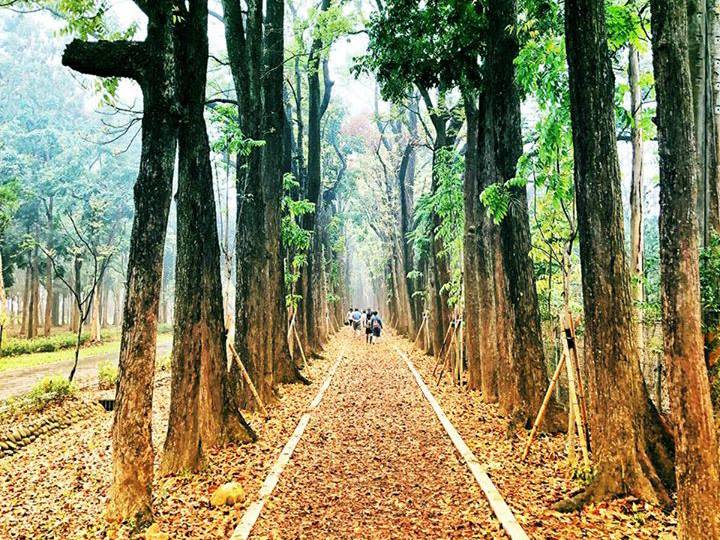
<point x="16" y="346"/>
<point x="39" y="359"/>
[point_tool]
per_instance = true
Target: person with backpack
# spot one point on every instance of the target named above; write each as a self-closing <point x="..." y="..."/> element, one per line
<point x="368" y="326"/>
<point x="377" y="326"/>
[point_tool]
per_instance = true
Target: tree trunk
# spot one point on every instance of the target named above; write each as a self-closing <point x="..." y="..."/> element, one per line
<point x="527" y="358"/>
<point x="697" y="464"/>
<point x="253" y="341"/>
<point x="49" y="269"/>
<point x="197" y="411"/>
<point x="34" y="308"/>
<point x="25" y="300"/>
<point x="77" y="286"/>
<point x="637" y="244"/>
<point x="275" y="317"/>
<point x="472" y="318"/>
<point x="316" y="105"/>
<point x="631" y="454"/>
<point x="152" y="64"/>
<point x="95" y="336"/>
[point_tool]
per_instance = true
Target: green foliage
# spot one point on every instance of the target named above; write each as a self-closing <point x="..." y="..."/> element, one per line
<point x="447" y="203"/>
<point x="18" y="346"/>
<point x="295" y="239"/>
<point x="51" y="389"/>
<point x="108" y="374"/>
<point x="430" y="44"/>
<point x="710" y="282"/>
<point x="9" y="202"/>
<point x="224" y="119"/>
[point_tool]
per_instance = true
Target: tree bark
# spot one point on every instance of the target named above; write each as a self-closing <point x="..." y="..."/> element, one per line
<point x="199" y="367"/>
<point x="34" y="306"/>
<point x="317" y="103"/>
<point x="472" y="318"/>
<point x="154" y="69"/>
<point x="697" y="465"/>
<point x="49" y="269"/>
<point x="637" y="244"/>
<point x="631" y="454"/>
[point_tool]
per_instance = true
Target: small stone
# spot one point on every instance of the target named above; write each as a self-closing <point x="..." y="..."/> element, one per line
<point x="227" y="494"/>
<point x="154" y="533"/>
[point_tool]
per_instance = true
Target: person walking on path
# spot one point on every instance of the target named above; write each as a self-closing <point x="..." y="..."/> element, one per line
<point x="356" y="316"/>
<point x="377" y="326"/>
<point x="368" y="326"/>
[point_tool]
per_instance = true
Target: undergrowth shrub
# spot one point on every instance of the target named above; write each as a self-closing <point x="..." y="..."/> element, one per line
<point x="108" y="374"/>
<point x="51" y="388"/>
<point x="163" y="363"/>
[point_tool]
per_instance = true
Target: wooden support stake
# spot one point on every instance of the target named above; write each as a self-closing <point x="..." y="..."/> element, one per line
<point x="249" y="382"/>
<point x="439" y="356"/>
<point x="570" y="325"/>
<point x="543" y="407"/>
<point x="422" y="325"/>
<point x="572" y="397"/>
<point x="302" y="353"/>
<point x="446" y="359"/>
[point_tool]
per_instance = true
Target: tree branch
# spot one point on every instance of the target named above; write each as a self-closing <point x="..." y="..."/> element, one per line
<point x="106" y="58"/>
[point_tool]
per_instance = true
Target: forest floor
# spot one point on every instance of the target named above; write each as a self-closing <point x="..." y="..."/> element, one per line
<point x="15" y="382"/>
<point x="373" y="462"/>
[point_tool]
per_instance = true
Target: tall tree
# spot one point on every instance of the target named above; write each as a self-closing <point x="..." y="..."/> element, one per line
<point x="631" y="453"/>
<point x="697" y="464"/>
<point x="151" y="64"/>
<point x="318" y="101"/>
<point x="199" y="415"/>
<point x="637" y="244"/>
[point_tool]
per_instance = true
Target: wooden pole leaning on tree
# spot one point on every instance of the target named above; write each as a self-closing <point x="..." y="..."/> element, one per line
<point x="422" y="325"/>
<point x="574" y="407"/>
<point x="446" y="358"/>
<point x="568" y="334"/>
<point x="248" y="380"/>
<point x="543" y="407"/>
<point x="440" y="353"/>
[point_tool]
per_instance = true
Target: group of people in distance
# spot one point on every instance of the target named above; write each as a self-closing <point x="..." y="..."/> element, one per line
<point x="367" y="320"/>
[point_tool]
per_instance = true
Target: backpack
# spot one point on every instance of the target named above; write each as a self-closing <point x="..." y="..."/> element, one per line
<point x="376" y="323"/>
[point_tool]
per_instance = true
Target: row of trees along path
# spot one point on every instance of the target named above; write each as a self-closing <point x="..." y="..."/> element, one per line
<point x="633" y="451"/>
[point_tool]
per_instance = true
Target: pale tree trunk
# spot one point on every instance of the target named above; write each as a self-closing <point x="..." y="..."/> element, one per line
<point x="25" y="302"/>
<point x="34" y="308"/>
<point x="75" y="319"/>
<point x="631" y="453"/>
<point x="49" y="270"/>
<point x="697" y="464"/>
<point x="636" y="200"/>
<point x="95" y="336"/>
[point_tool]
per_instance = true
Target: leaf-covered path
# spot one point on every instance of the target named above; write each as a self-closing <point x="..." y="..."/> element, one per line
<point x="375" y="462"/>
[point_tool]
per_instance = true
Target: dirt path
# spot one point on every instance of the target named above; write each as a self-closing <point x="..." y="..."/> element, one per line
<point x="375" y="462"/>
<point x="18" y="381"/>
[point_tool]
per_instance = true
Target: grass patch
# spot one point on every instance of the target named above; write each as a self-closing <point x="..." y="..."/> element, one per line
<point x="16" y="346"/>
<point x="39" y="359"/>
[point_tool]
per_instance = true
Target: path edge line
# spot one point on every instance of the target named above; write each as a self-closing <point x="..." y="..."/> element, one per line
<point x="252" y="513"/>
<point x="497" y="503"/>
